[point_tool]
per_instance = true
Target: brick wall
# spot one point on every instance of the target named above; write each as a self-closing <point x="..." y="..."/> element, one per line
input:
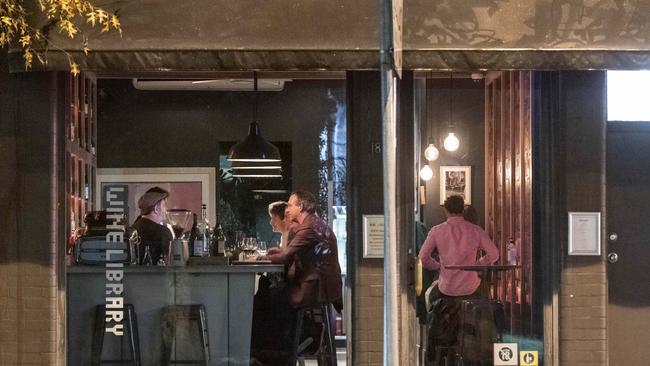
<point x="369" y="323"/>
<point x="583" y="306"/>
<point x="32" y="324"/>
<point x="28" y="329"/>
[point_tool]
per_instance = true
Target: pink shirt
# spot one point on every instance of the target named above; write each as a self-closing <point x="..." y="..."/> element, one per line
<point x="457" y="242"/>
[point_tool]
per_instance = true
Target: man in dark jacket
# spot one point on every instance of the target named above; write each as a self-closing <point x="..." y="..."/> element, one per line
<point x="314" y="274"/>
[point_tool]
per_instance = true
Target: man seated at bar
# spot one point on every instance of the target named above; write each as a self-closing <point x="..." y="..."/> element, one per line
<point x="314" y="274"/>
<point x="153" y="233"/>
<point x="456" y="242"/>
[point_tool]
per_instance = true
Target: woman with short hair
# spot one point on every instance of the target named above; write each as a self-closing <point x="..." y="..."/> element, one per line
<point x="279" y="222"/>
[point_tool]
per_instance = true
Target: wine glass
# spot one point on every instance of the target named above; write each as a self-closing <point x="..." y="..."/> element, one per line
<point x="261" y="249"/>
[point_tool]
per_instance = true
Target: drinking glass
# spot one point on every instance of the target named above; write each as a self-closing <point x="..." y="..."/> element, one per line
<point x="261" y="248"/>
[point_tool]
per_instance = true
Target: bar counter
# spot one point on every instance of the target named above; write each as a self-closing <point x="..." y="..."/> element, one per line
<point x="226" y="291"/>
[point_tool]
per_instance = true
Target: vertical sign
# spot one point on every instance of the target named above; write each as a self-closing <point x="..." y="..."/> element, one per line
<point x="121" y="195"/>
<point x="373" y="236"/>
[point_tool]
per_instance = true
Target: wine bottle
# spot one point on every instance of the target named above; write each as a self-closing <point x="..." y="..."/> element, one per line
<point x="221" y="241"/>
<point x="197" y="238"/>
<point x="206" y="231"/>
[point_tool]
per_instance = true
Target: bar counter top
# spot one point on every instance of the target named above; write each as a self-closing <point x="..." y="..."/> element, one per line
<point x="222" y="268"/>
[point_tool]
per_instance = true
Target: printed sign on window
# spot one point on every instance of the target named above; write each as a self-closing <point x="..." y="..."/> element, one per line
<point x="506" y="354"/>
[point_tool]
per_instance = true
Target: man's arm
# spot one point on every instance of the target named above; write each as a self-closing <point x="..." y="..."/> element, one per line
<point x="491" y="251"/>
<point x="425" y="252"/>
<point x="302" y="238"/>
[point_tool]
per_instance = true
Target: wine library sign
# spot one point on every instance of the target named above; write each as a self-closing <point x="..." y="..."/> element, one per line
<point x="115" y="203"/>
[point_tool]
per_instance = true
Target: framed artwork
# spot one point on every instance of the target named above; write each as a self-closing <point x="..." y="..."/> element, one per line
<point x="456" y="180"/>
<point x="189" y="188"/>
<point x="373" y="236"/>
<point x="584" y="233"/>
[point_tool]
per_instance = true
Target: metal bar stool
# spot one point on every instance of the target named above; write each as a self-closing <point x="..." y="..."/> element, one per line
<point x="325" y="354"/>
<point x="482" y="324"/>
<point x="131" y="324"/>
<point x="173" y="313"/>
<point x="445" y="356"/>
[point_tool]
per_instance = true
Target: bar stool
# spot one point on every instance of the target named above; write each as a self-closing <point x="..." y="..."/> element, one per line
<point x="325" y="354"/>
<point x="131" y="324"/>
<point x="171" y="315"/>
<point x="446" y="356"/>
<point x="482" y="324"/>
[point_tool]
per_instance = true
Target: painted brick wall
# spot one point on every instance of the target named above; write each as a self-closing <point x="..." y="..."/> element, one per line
<point x="583" y="281"/>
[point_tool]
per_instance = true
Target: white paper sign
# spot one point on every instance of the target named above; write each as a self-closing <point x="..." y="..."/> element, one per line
<point x="373" y="236"/>
<point x="505" y="354"/>
<point x="584" y="233"/>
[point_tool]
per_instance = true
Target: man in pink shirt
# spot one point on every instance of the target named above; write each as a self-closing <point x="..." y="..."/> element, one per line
<point x="457" y="242"/>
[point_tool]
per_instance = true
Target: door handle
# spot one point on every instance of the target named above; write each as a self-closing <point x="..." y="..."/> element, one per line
<point x="612" y="257"/>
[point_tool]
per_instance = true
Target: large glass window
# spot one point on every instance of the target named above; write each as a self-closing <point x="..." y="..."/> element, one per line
<point x="627" y="95"/>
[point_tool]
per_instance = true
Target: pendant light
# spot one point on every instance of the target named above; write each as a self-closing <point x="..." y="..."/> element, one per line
<point x="426" y="173"/>
<point x="451" y="142"/>
<point x="431" y="153"/>
<point x="254" y="148"/>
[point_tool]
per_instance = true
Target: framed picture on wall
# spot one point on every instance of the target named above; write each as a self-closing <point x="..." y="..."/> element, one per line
<point x="456" y="180"/>
<point x="189" y="188"/>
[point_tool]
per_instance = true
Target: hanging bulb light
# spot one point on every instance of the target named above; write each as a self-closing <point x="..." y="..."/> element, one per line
<point x="431" y="153"/>
<point x="451" y="142"/>
<point x="426" y="173"/>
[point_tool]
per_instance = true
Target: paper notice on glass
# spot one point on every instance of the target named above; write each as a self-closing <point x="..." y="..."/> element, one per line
<point x="373" y="236"/>
<point x="584" y="233"/>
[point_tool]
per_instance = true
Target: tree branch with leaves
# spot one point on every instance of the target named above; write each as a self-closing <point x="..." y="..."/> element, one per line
<point x="66" y="16"/>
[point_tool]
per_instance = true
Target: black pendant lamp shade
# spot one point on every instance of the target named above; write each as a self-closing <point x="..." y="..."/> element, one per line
<point x="254" y="148"/>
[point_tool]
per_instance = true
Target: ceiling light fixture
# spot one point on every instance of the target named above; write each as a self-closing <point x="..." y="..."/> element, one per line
<point x="254" y="148"/>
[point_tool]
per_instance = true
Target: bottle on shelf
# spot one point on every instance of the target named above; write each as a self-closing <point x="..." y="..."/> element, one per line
<point x="513" y="256"/>
<point x="218" y="241"/>
<point x="195" y="243"/>
<point x="206" y="231"/>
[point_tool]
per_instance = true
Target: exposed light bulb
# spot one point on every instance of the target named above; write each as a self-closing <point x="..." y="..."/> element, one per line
<point x="426" y="173"/>
<point x="431" y="153"/>
<point x="451" y="142"/>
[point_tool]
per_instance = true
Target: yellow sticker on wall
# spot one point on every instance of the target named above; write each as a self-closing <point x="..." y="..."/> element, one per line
<point x="528" y="358"/>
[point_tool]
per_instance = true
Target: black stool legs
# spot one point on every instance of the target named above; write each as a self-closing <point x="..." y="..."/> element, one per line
<point x="131" y="327"/>
<point x="171" y="314"/>
<point x="326" y="353"/>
